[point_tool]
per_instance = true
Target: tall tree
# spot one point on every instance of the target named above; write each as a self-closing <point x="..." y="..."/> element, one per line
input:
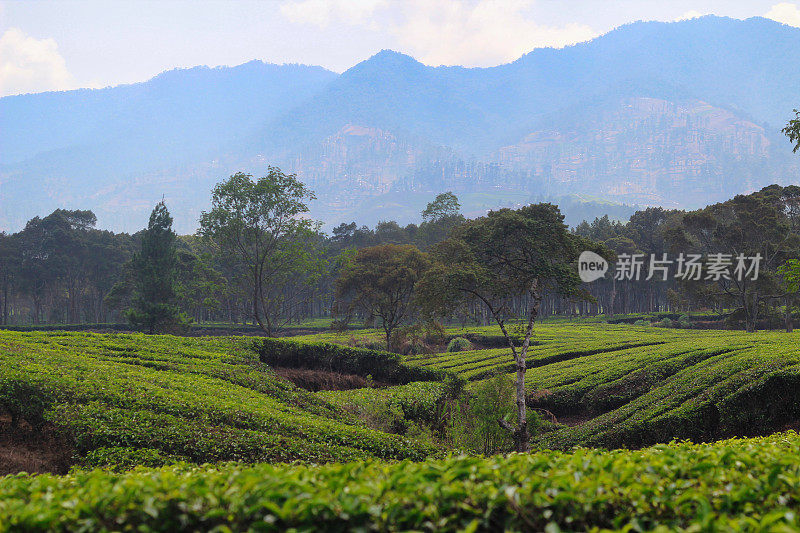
<point x="261" y="223"/>
<point x="439" y="218"/>
<point x="380" y="281"/>
<point x="9" y="263"/>
<point x="792" y="130"/>
<point x="154" y="270"/>
<point x="500" y="257"/>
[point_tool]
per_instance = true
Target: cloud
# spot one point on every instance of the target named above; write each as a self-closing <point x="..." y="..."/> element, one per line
<point x="482" y="33"/>
<point x="444" y="32"/>
<point x="691" y="14"/>
<point x="325" y="12"/>
<point x="785" y="12"/>
<point x="30" y="65"/>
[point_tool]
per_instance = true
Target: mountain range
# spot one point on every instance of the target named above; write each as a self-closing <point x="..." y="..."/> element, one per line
<point x="676" y="114"/>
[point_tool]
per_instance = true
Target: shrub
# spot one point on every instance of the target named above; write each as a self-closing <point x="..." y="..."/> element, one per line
<point x="493" y="400"/>
<point x="400" y="409"/>
<point x="459" y="344"/>
<point x="24" y="400"/>
<point x="735" y="485"/>
<point x="373" y="344"/>
<point x="641" y="322"/>
<point x="382" y="366"/>
<point x="121" y="458"/>
<point x="339" y="326"/>
<point x="410" y="340"/>
<point x="434" y="333"/>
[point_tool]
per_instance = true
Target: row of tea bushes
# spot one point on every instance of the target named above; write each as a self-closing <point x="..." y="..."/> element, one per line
<point x="202" y="399"/>
<point x="735" y="485"/>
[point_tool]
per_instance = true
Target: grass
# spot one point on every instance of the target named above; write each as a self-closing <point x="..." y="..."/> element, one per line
<point x="735" y="485"/>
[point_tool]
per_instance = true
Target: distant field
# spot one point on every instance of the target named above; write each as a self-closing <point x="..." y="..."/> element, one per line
<point x="311" y="324"/>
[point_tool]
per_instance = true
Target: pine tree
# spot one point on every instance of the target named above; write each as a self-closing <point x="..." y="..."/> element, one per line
<point x="154" y="270"/>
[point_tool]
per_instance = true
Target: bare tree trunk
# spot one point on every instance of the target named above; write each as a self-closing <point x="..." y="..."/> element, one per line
<point x="520" y="431"/>
<point x="5" y="304"/>
<point x="752" y="316"/>
<point x="610" y="312"/>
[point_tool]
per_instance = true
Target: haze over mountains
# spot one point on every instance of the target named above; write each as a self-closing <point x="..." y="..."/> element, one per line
<point x="675" y="114"/>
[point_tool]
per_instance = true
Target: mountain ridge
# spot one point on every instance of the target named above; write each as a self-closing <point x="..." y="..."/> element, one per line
<point x="185" y="129"/>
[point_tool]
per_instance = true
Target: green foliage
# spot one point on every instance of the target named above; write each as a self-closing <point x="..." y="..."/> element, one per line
<point x="392" y="409"/>
<point x="458" y="344"/>
<point x="790" y="271"/>
<point x="382" y="366"/>
<point x="259" y="226"/>
<point x="792" y="131"/>
<point x="735" y="485"/>
<point x="491" y="260"/>
<point x="492" y="400"/>
<point x="415" y="339"/>
<point x="443" y="206"/>
<point x="24" y="400"/>
<point x="439" y="218"/>
<point x="203" y="399"/>
<point x="121" y="458"/>
<point x="379" y="282"/>
<point x="639" y="386"/>
<point x="759" y="224"/>
<point x="502" y="255"/>
<point x="154" y="271"/>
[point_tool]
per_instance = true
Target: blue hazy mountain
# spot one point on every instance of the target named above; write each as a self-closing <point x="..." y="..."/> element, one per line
<point x="88" y="147"/>
<point x="671" y="113"/>
<point x="742" y="65"/>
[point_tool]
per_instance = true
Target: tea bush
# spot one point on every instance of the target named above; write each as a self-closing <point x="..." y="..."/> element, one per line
<point x="203" y="399"/>
<point x="734" y="485"/>
<point x="458" y="344"/>
<point x="382" y="366"/>
<point x="638" y="385"/>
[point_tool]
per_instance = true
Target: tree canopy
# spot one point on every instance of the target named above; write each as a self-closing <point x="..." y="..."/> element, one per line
<point x="379" y="281"/>
<point x="260" y="224"/>
<point x="792" y="130"/>
<point x="497" y="258"/>
<point x="154" y="272"/>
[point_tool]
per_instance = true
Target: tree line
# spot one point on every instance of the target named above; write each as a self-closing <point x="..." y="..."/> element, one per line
<point x="257" y="258"/>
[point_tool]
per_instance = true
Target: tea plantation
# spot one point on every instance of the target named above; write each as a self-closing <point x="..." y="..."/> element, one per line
<point x="199" y="400"/>
<point x="170" y="433"/>
<point x="636" y="386"/>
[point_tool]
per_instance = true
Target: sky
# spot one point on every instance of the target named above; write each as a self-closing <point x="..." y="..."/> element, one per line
<point x="67" y="44"/>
